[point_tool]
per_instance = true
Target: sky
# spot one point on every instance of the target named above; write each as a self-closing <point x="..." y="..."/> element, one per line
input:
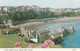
<point x="43" y="3"/>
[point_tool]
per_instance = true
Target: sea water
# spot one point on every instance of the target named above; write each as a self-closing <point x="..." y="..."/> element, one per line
<point x="71" y="40"/>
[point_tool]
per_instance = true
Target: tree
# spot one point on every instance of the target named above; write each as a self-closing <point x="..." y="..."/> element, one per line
<point x="45" y="37"/>
<point x="4" y="18"/>
<point x="45" y="14"/>
<point x="31" y="14"/>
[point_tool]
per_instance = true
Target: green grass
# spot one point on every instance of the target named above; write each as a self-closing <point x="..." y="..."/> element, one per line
<point x="8" y="41"/>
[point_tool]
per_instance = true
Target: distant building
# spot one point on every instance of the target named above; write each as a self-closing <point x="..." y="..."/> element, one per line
<point x="68" y="10"/>
<point x="13" y="9"/>
<point x="20" y="8"/>
<point x="51" y="9"/>
<point x="26" y="8"/>
<point x="3" y="10"/>
<point x="43" y="9"/>
<point x="35" y="8"/>
<point x="29" y="8"/>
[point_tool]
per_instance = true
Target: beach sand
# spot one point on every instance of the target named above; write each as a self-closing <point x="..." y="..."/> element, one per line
<point x="38" y="22"/>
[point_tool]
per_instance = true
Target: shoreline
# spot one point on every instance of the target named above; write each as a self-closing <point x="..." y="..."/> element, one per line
<point x="31" y="25"/>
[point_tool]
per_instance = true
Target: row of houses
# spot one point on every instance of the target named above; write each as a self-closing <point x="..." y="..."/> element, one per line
<point x="13" y="9"/>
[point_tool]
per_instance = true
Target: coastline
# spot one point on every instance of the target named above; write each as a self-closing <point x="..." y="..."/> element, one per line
<point x="31" y="24"/>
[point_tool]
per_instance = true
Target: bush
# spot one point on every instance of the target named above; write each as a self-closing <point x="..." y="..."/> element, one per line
<point x="58" y="40"/>
<point x="14" y="31"/>
<point x="44" y="37"/>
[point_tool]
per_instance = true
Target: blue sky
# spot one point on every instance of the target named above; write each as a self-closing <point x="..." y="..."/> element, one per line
<point x="43" y="3"/>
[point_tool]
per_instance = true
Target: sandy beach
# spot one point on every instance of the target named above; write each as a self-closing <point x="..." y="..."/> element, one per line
<point x="33" y="23"/>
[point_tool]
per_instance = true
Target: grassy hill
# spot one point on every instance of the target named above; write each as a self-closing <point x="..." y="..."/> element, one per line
<point x="8" y="41"/>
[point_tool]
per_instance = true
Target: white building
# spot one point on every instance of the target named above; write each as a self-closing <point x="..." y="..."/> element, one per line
<point x="35" y="8"/>
<point x="20" y="8"/>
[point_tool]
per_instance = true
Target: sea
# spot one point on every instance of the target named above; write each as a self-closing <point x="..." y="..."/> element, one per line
<point x="71" y="40"/>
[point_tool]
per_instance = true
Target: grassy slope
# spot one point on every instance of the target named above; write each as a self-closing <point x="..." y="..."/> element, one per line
<point x="7" y="41"/>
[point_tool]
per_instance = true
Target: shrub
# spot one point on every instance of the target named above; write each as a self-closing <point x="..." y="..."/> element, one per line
<point x="45" y="37"/>
<point x="14" y="31"/>
<point x="58" y="40"/>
